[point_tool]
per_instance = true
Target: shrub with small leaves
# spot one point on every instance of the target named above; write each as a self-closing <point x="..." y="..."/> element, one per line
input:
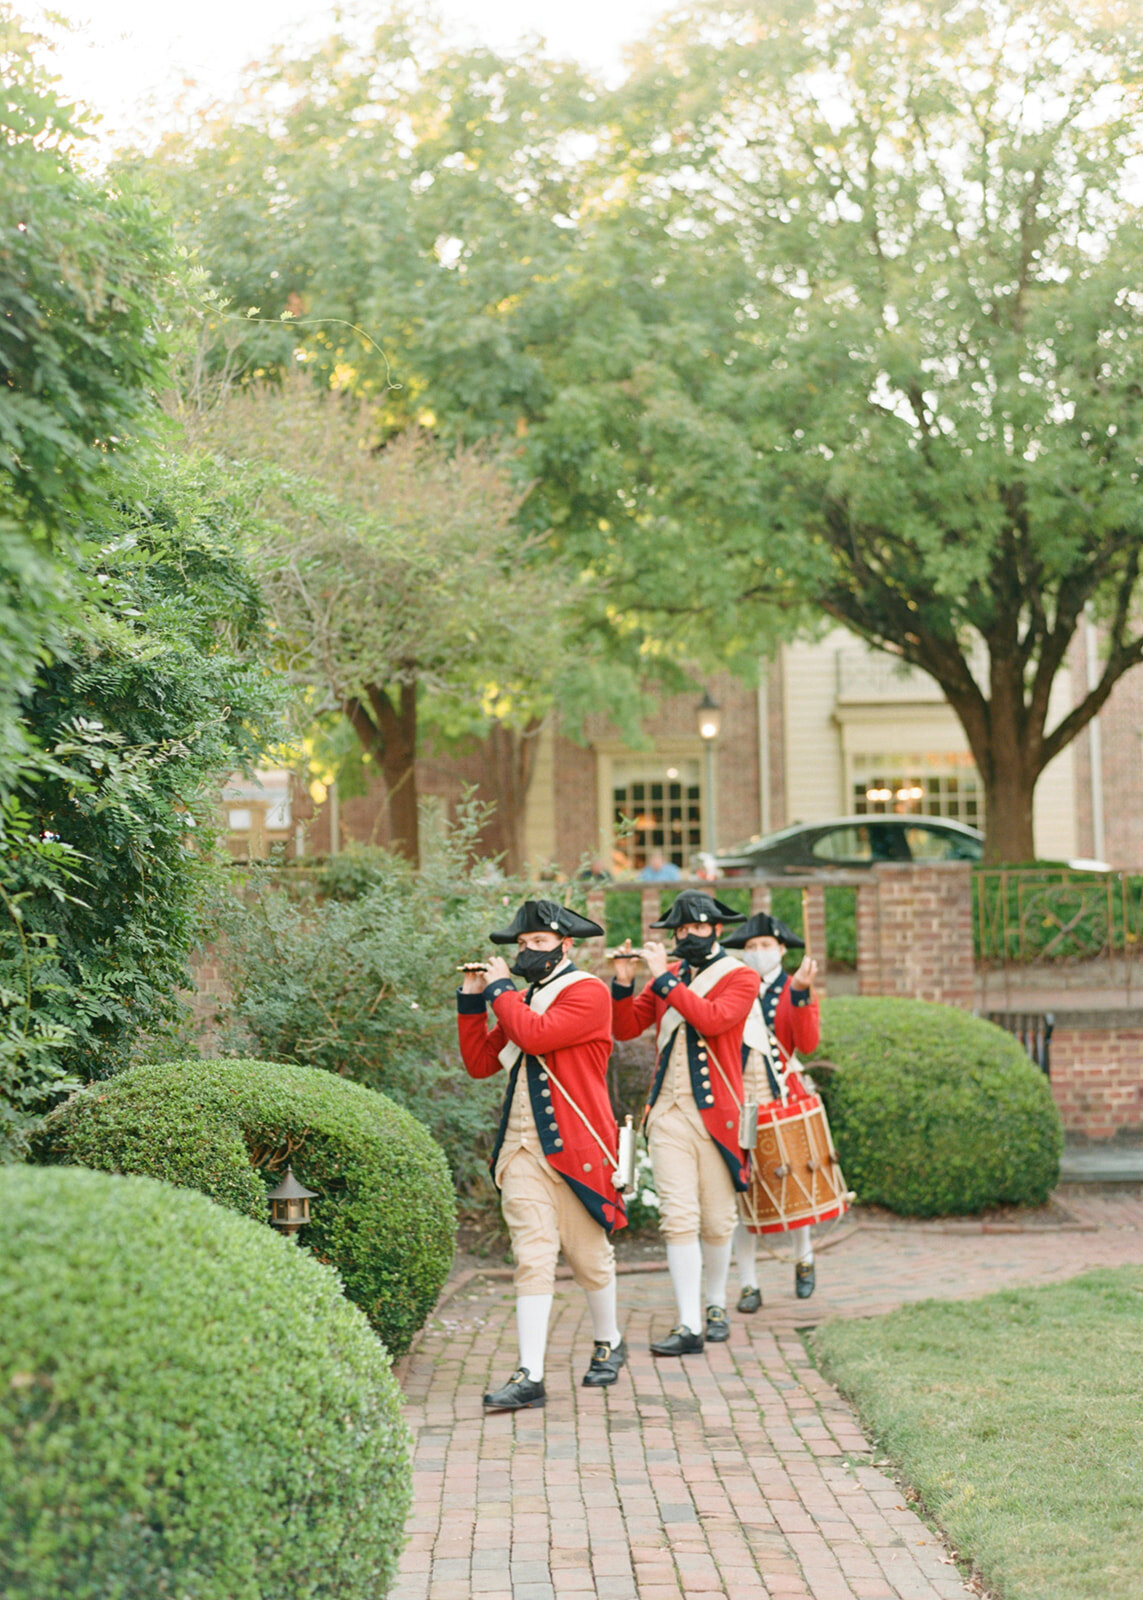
<point x="935" y="1112"/>
<point x="384" y="1215"/>
<point x="188" y="1405"/>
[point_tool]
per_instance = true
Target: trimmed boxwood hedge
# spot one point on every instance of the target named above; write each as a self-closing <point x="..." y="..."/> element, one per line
<point x="935" y="1112"/>
<point x="189" y="1407"/>
<point x="385" y="1213"/>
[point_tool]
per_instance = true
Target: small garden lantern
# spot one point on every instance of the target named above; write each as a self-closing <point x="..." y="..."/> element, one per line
<point x="290" y="1204"/>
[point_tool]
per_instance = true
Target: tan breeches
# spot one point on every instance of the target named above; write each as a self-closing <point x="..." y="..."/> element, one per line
<point x="695" y="1189"/>
<point x="543" y="1216"/>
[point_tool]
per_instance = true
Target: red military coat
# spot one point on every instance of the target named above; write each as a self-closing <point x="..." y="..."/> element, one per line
<point x="574" y="1038"/>
<point x="714" y="1024"/>
<point x="793" y="1017"/>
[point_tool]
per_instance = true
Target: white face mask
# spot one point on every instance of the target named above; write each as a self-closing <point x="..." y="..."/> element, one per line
<point x="757" y="958"/>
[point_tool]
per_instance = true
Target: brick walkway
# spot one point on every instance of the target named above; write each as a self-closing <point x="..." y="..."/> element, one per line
<point x="737" y="1473"/>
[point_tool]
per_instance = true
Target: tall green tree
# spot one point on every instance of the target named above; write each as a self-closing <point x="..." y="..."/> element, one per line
<point x="827" y="308"/>
<point x="166" y="691"/>
<point x="400" y="588"/>
<point x="82" y="292"/>
<point x="936" y="372"/>
<point x="129" y="674"/>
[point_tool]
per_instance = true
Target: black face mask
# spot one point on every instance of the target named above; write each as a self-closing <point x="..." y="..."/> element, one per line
<point x="535" y="965"/>
<point x="693" y="950"/>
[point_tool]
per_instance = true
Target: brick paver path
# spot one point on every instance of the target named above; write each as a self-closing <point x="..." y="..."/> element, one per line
<point x="737" y="1473"/>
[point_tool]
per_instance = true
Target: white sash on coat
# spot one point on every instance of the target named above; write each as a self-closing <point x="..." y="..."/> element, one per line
<point x="701" y="984"/>
<point x="540" y="1002"/>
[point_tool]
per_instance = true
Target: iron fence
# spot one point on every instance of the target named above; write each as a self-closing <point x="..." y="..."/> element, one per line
<point x="1037" y="925"/>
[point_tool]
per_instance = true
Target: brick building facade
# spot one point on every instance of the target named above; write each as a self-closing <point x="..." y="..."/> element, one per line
<point x="830" y="724"/>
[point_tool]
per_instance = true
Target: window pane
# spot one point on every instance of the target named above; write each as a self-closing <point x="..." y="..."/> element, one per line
<point x="844" y="844"/>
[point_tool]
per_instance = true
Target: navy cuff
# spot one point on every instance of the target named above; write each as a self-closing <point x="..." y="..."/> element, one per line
<point x="800" y="997"/>
<point x="664" y="983"/>
<point x="468" y="1005"/>
<point x="621" y="991"/>
<point x="493" y="991"/>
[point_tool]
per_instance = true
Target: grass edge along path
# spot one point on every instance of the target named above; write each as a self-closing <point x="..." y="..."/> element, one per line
<point x="1018" y="1421"/>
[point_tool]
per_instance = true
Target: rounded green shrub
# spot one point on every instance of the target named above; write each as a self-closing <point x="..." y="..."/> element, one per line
<point x="189" y="1407"/>
<point x="935" y="1112"/>
<point x="385" y="1212"/>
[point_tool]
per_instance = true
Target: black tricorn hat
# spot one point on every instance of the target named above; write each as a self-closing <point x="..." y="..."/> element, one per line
<point x="695" y="906"/>
<point x="763" y="926"/>
<point x="546" y="916"/>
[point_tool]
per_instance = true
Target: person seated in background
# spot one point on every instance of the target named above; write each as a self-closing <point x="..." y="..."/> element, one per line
<point x="659" y="869"/>
<point x="596" y="871"/>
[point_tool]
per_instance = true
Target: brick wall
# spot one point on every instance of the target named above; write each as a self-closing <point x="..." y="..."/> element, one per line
<point x="914" y="932"/>
<point x="737" y="804"/>
<point x="1097" y="1072"/>
<point x="211" y="991"/>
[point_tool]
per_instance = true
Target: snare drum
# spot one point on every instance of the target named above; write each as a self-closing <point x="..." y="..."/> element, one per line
<point x="795" y="1175"/>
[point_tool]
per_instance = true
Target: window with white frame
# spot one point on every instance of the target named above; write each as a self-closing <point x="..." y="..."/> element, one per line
<point x="927" y="784"/>
<point x="657" y="805"/>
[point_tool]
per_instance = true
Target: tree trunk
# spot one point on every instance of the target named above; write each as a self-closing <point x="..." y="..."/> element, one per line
<point x="397" y="725"/>
<point x="1010" y="836"/>
<point x="389" y="732"/>
<point x="511" y="759"/>
<point x="1012" y="762"/>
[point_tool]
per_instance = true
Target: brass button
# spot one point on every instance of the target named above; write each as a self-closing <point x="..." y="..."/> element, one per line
<point x="587" y="1166"/>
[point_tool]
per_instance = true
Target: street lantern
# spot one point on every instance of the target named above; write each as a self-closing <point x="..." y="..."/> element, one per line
<point x="709" y="716"/>
<point x="290" y="1204"/>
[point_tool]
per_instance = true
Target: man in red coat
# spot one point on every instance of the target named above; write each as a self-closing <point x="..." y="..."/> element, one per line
<point x="698" y="1006"/>
<point x="789" y="1011"/>
<point x="556" y="1150"/>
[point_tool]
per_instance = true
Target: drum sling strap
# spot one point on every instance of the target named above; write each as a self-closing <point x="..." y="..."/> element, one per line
<point x="757" y="1036"/>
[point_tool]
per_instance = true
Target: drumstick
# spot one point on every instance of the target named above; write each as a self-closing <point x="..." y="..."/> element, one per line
<point x="806" y="922"/>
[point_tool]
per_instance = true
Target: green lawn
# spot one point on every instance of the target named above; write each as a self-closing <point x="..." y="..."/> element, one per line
<point x="1018" y="1419"/>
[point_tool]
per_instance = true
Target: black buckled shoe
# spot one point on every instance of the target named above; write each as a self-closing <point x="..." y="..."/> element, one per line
<point x="679" y="1342"/>
<point x="520" y="1392"/>
<point x="717" y="1325"/>
<point x="805" y="1278"/>
<point x="606" y="1360"/>
<point x="750" y="1301"/>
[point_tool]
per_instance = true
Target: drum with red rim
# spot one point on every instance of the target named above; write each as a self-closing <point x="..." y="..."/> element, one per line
<point x="795" y="1175"/>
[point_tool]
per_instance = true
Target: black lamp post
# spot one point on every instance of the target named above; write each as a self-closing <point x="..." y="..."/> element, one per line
<point x="290" y="1205"/>
<point x="709" y="716"/>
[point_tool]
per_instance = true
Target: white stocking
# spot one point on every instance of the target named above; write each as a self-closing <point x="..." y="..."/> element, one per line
<point x="716" y="1265"/>
<point x="803" y="1244"/>
<point x="746" y="1257"/>
<point x="532" y="1312"/>
<point x="685" y="1264"/>
<point x="604" y="1321"/>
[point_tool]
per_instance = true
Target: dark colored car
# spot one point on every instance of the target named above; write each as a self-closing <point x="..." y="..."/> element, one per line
<point x="846" y="842"/>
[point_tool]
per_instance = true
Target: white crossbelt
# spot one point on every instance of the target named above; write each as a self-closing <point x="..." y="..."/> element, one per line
<point x="701" y="984"/>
